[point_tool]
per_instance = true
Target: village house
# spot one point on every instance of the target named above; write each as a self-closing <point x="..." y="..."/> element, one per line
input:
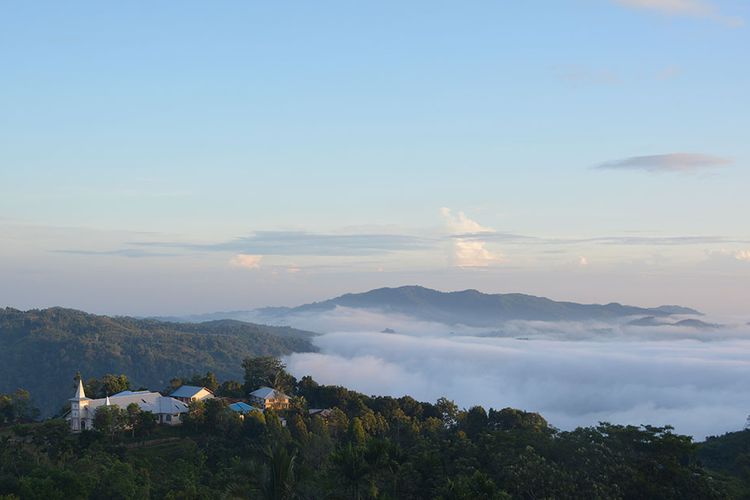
<point x="243" y="408"/>
<point x="167" y="410"/>
<point x="269" y="399"/>
<point x="188" y="393"/>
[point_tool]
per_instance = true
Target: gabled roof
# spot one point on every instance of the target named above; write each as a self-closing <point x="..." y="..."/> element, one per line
<point x="268" y="393"/>
<point x="243" y="408"/>
<point x="187" y="391"/>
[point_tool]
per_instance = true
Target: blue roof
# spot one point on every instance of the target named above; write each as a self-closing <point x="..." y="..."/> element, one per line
<point x="241" y="407"/>
<point x="187" y="391"/>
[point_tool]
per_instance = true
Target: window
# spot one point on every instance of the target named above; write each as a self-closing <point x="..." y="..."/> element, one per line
<point x="169" y="418"/>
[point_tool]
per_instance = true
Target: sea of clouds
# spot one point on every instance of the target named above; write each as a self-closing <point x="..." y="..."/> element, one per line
<point x="573" y="373"/>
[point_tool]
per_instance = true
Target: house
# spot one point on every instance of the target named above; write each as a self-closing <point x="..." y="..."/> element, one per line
<point x="269" y="399"/>
<point x="243" y="408"/>
<point x="188" y="393"/>
<point x="323" y="413"/>
<point x="168" y="410"/>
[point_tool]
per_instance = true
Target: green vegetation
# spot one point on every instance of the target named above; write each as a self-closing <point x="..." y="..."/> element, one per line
<point x="40" y="349"/>
<point x="362" y="448"/>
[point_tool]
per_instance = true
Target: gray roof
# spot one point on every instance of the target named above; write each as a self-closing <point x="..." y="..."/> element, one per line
<point x="187" y="391"/>
<point x="268" y="393"/>
<point x="146" y="401"/>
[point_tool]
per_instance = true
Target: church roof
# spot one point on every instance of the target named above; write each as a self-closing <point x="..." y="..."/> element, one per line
<point x="146" y="401"/>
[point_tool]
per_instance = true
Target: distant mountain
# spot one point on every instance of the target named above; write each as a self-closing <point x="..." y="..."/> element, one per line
<point x="470" y="307"/>
<point x="696" y="323"/>
<point x="690" y="323"/>
<point x="41" y="350"/>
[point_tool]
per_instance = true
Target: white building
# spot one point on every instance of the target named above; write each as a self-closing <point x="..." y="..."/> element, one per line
<point x="82" y="409"/>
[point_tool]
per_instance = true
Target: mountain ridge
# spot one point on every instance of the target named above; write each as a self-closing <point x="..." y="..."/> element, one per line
<point x="468" y="307"/>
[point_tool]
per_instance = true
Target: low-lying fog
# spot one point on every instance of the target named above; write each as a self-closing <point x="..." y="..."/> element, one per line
<point x="575" y="374"/>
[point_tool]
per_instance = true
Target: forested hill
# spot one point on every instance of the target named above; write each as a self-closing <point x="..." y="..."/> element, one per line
<point x="41" y="350"/>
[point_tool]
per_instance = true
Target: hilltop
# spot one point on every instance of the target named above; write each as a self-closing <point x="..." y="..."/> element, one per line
<point x="41" y="350"/>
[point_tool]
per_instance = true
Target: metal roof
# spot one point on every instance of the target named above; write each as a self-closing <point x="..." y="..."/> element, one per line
<point x="268" y="393"/>
<point x="187" y="391"/>
<point x="243" y="408"/>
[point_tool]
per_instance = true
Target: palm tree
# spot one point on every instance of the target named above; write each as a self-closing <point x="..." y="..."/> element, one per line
<point x="281" y="481"/>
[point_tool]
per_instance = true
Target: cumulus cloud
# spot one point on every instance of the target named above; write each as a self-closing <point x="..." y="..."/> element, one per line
<point x="246" y="261"/>
<point x="743" y="255"/>
<point x="672" y="162"/>
<point x="573" y="373"/>
<point x="468" y="247"/>
<point x="692" y="8"/>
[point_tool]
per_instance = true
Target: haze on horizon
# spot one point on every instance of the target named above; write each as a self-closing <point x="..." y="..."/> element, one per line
<point x="161" y="160"/>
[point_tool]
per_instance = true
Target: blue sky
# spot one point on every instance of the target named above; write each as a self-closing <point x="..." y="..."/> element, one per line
<point x="192" y="156"/>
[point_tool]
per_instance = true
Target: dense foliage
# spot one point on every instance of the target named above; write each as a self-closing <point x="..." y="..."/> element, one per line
<point x="40" y="349"/>
<point x="362" y="447"/>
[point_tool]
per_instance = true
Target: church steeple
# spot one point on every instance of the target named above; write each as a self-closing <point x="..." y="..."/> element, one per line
<point x="78" y="409"/>
<point x="80" y="393"/>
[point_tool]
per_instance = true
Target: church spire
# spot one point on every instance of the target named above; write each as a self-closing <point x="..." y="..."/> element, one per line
<point x="80" y="393"/>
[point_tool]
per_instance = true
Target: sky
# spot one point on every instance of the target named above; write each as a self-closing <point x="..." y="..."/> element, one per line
<point x="187" y="157"/>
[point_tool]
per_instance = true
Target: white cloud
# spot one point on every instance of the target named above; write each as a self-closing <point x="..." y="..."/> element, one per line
<point x="692" y="8"/>
<point x="583" y="261"/>
<point x="246" y="261"/>
<point x="573" y="373"/>
<point x="743" y="255"/>
<point x="460" y="223"/>
<point x="468" y="247"/>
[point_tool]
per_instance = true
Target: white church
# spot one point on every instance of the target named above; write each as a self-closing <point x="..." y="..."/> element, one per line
<point x="168" y="410"/>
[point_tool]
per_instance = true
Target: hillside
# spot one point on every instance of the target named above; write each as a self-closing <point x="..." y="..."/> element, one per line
<point x="473" y="308"/>
<point x="41" y="350"/>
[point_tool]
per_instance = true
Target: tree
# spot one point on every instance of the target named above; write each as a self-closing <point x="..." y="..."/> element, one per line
<point x="145" y="424"/>
<point x="17" y="407"/>
<point x="110" y="420"/>
<point x="267" y="371"/>
<point x="231" y="389"/>
<point x="449" y="412"/>
<point x="108" y="385"/>
<point x="475" y="421"/>
<point x="209" y="381"/>
<point x="281" y="481"/>
<point x="351" y="467"/>
<point x="357" y="433"/>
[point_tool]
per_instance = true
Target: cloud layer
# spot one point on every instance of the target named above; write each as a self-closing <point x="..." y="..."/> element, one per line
<point x="573" y="373"/>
